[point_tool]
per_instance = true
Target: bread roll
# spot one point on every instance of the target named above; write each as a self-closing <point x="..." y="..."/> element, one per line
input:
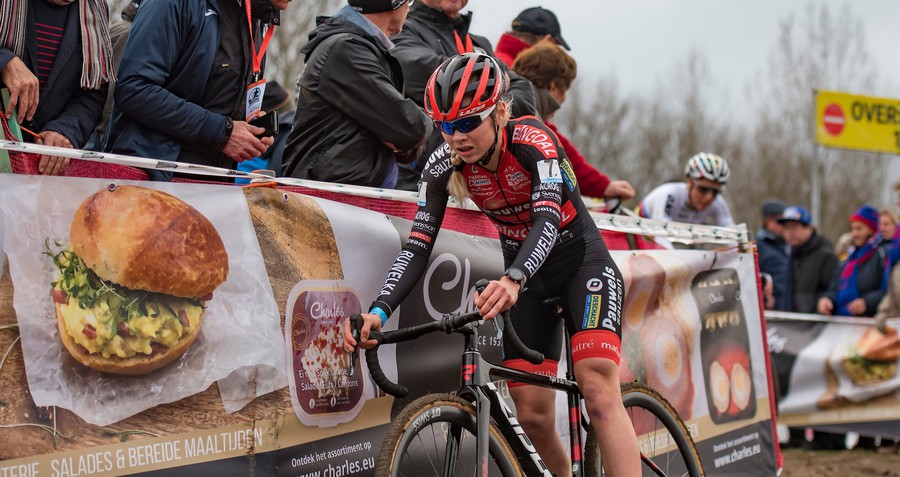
<point x="144" y="239"/>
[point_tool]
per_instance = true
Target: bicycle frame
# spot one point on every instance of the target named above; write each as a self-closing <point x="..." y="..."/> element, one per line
<point x="476" y="385"/>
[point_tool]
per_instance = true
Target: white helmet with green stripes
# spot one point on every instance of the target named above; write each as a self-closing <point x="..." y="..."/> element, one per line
<point x="708" y="166"/>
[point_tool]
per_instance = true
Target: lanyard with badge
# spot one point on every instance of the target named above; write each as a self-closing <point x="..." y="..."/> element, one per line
<point x="256" y="90"/>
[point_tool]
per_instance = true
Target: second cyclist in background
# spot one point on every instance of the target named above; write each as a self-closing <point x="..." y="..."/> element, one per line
<point x="697" y="200"/>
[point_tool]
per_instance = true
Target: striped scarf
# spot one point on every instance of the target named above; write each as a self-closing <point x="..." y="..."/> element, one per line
<point x="96" y="47"/>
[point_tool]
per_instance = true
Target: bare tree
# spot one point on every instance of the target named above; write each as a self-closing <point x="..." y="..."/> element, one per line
<point x="817" y="50"/>
<point x="284" y="62"/>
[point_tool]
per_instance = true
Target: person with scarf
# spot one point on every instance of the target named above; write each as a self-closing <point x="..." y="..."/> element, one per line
<point x="860" y="283"/>
<point x="56" y="62"/>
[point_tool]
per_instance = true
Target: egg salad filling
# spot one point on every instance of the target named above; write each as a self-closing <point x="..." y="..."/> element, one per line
<point x="112" y="320"/>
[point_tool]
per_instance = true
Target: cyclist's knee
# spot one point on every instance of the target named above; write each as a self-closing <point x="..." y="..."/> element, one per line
<point x="534" y="409"/>
<point x="598" y="379"/>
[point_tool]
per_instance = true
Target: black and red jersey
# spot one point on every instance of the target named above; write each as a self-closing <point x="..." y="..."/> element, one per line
<point x="532" y="198"/>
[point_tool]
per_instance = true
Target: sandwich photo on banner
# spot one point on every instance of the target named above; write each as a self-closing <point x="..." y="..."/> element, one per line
<point x="159" y="288"/>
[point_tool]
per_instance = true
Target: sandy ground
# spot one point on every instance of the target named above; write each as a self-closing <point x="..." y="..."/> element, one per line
<point x="847" y="463"/>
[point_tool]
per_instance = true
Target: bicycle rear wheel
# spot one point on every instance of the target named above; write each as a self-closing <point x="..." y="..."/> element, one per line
<point x="665" y="443"/>
<point x="435" y="436"/>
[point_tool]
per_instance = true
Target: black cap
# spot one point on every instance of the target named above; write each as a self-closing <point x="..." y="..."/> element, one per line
<point x="375" y="6"/>
<point x="539" y="21"/>
<point x="773" y="208"/>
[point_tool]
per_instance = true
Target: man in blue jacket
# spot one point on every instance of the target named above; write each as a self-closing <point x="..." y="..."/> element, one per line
<point x="57" y="82"/>
<point x="183" y="82"/>
<point x="773" y="250"/>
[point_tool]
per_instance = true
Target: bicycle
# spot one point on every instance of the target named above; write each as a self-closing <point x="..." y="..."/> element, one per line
<point x="474" y="432"/>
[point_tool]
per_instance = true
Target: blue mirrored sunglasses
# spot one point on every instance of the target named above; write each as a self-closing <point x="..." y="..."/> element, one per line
<point x="464" y="125"/>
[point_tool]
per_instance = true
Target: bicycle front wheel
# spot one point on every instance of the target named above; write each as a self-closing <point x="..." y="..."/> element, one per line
<point x="665" y="443"/>
<point x="435" y="436"/>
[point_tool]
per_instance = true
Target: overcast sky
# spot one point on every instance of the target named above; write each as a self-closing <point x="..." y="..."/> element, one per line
<point x="641" y="41"/>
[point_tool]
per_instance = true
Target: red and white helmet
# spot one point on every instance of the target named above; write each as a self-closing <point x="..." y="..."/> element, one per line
<point x="464" y="85"/>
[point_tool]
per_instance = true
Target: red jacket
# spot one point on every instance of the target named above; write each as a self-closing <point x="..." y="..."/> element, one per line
<point x="508" y="48"/>
<point x="592" y="182"/>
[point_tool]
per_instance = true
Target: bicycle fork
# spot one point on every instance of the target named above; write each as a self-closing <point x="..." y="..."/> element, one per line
<point x="475" y="380"/>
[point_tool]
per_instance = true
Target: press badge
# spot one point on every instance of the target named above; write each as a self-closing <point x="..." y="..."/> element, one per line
<point x="548" y="171"/>
<point x="254" y="99"/>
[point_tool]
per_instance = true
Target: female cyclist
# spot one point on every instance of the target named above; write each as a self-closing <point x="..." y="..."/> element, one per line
<point x="516" y="173"/>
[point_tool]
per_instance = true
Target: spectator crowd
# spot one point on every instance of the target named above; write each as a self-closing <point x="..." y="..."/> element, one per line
<point x="183" y="80"/>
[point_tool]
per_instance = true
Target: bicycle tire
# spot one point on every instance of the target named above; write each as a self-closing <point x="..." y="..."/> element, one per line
<point x="643" y="403"/>
<point x="416" y="440"/>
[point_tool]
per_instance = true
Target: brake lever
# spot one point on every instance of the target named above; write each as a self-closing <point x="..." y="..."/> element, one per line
<point x="355" y="324"/>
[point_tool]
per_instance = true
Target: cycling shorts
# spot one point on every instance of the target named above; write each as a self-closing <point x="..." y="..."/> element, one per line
<point x="591" y="290"/>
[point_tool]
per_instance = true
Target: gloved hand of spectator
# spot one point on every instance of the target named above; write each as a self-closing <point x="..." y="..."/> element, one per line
<point x="620" y="189"/>
<point x="23" y="89"/>
<point x="53" y="165"/>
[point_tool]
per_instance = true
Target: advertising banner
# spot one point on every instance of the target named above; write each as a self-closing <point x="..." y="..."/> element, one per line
<point x="264" y="387"/>
<point x="825" y="382"/>
<point x="852" y="121"/>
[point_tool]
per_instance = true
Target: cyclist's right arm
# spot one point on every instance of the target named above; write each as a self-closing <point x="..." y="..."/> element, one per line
<point x="410" y="264"/>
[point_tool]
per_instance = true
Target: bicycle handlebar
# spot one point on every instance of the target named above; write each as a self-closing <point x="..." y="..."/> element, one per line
<point x="448" y="324"/>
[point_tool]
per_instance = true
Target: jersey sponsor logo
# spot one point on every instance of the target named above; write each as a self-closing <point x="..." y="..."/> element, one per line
<point x="417" y="243"/>
<point x="508" y="243"/>
<point x="594" y="285"/>
<point x="568" y="174"/>
<point x="670" y="202"/>
<point x="517" y="232"/>
<point x="423" y="192"/>
<point x="479" y="181"/>
<point x="567" y="214"/>
<point x="440" y="153"/>
<point x="524" y="134"/>
<point x="427" y="228"/>
<point x="420" y="236"/>
<point x="396" y="271"/>
<point x="536" y="196"/>
<point x="440" y="168"/>
<point x="548" y="171"/>
<point x="514" y="210"/>
<point x="547" y="203"/>
<point x="425" y="217"/>
<point x="591" y="311"/>
<point x="615" y="291"/>
<point x="542" y="248"/>
<point x="516" y="179"/>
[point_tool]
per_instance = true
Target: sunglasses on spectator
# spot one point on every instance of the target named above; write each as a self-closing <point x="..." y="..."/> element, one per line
<point x="708" y="190"/>
<point x="464" y="125"/>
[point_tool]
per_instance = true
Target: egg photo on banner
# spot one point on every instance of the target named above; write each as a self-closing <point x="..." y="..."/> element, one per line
<point x="178" y="262"/>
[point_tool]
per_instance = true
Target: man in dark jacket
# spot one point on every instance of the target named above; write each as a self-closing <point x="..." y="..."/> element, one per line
<point x="118" y="35"/>
<point x="352" y="123"/>
<point x="183" y="82"/>
<point x="54" y="96"/>
<point x="435" y="31"/>
<point x="812" y="262"/>
<point x="773" y="250"/>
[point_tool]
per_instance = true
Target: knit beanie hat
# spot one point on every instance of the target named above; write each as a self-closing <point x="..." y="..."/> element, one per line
<point x="868" y="216"/>
<point x="375" y="6"/>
